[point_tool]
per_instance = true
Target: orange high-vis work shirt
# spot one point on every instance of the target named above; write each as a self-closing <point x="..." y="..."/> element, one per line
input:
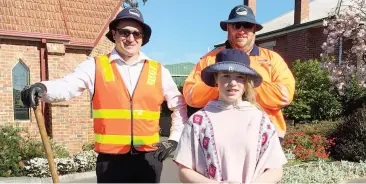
<point x="275" y="92"/>
<point x="120" y="120"/>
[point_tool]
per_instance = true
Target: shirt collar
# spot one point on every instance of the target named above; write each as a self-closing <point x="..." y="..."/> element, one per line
<point x="115" y="56"/>
<point x="253" y="52"/>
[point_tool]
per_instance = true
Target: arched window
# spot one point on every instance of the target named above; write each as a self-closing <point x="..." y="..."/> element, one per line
<point x="20" y="79"/>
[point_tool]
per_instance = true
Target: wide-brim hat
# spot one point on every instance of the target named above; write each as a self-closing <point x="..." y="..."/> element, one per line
<point x="232" y="61"/>
<point x="241" y="13"/>
<point x="131" y="14"/>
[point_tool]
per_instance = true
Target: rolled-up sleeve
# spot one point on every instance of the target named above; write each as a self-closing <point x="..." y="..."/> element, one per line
<point x="176" y="103"/>
<point x="73" y="84"/>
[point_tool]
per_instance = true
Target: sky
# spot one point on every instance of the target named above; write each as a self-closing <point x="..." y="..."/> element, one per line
<point x="183" y="31"/>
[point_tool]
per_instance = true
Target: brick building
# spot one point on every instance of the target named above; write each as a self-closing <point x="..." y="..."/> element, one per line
<point x="45" y="40"/>
<point x="297" y="34"/>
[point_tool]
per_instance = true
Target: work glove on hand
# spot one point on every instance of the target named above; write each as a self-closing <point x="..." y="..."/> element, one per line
<point x="30" y="92"/>
<point x="164" y="149"/>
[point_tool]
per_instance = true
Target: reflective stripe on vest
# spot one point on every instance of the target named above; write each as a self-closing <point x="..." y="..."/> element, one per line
<point x="114" y="120"/>
<point x="126" y="139"/>
<point x="107" y="69"/>
<point x="125" y="114"/>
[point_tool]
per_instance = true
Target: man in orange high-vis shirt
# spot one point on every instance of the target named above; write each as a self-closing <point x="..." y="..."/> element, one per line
<point x="127" y="90"/>
<point x="278" y="86"/>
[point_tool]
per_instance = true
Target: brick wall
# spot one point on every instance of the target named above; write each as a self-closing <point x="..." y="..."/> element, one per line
<point x="104" y="46"/>
<point x="303" y="44"/>
<point x="11" y="52"/>
<point x="71" y="121"/>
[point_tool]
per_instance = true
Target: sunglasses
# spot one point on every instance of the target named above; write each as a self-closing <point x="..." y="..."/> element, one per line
<point x="245" y="25"/>
<point x="127" y="33"/>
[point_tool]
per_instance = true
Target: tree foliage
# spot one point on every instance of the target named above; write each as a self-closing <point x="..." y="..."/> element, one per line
<point x="133" y="3"/>
<point x="348" y="23"/>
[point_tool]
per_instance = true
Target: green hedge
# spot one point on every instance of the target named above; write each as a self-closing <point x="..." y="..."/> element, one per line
<point x="315" y="98"/>
<point x="17" y="149"/>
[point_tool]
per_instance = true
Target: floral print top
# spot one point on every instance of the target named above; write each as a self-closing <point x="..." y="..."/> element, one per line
<point x="230" y="143"/>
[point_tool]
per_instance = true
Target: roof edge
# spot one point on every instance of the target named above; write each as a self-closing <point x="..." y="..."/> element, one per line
<point x="101" y="34"/>
<point x="64" y="17"/>
<point x="288" y="29"/>
<point x="32" y="36"/>
<point x="291" y="28"/>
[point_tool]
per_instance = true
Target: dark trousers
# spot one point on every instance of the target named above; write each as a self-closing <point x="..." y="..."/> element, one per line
<point x="128" y="168"/>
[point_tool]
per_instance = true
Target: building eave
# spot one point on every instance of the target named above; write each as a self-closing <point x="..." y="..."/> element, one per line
<point x="289" y="29"/>
<point x="34" y="36"/>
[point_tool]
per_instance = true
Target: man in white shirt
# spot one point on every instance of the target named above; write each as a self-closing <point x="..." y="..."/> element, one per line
<point x="128" y="89"/>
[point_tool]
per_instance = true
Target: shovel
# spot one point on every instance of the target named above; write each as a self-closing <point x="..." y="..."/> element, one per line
<point x="46" y="143"/>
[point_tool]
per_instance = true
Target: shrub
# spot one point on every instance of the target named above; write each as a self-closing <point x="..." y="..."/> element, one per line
<point x="59" y="150"/>
<point x="38" y="167"/>
<point x="11" y="158"/>
<point x="66" y="165"/>
<point x="315" y="97"/>
<point x="324" y="172"/>
<point x="306" y="147"/>
<point x="88" y="146"/>
<point x="21" y="149"/>
<point x="353" y="97"/>
<point x="322" y="128"/>
<point x="351" y="137"/>
<point x="86" y="160"/>
<point x="32" y="148"/>
<point x="81" y="162"/>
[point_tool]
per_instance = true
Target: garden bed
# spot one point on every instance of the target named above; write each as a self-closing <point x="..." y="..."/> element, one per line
<point x="323" y="171"/>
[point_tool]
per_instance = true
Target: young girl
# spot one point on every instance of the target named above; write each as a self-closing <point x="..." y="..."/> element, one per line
<point x="231" y="139"/>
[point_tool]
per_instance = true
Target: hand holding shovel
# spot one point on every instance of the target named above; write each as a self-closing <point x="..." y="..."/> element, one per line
<point x="29" y="96"/>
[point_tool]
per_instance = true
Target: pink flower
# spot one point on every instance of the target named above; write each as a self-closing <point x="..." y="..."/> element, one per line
<point x="212" y="170"/>
<point x="264" y="138"/>
<point x="197" y="119"/>
<point x="205" y="142"/>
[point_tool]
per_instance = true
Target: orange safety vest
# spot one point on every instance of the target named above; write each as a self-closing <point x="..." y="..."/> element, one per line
<point x="121" y="120"/>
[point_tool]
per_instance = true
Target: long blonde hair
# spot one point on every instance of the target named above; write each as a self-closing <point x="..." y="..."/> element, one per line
<point x="249" y="93"/>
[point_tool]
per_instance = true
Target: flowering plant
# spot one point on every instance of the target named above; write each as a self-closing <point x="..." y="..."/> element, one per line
<point x="308" y="148"/>
<point x="348" y="24"/>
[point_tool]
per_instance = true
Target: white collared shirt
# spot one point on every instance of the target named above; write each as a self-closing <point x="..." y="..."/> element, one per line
<point x="83" y="77"/>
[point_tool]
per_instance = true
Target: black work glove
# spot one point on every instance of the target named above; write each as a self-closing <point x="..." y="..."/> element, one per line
<point x="164" y="149"/>
<point x="30" y="92"/>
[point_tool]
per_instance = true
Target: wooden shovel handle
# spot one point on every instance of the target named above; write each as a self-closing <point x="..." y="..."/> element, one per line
<point x="46" y="143"/>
